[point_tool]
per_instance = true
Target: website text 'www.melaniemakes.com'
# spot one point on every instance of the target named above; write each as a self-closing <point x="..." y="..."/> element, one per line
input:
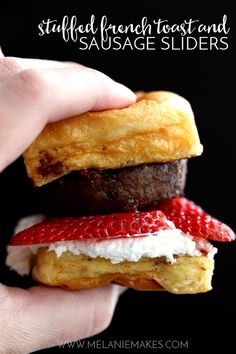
<point x="126" y="344"/>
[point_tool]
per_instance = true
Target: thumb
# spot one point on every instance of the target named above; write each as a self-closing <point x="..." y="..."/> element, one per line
<point x="27" y="104"/>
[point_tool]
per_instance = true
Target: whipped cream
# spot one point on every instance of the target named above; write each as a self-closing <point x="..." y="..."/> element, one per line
<point x="165" y="243"/>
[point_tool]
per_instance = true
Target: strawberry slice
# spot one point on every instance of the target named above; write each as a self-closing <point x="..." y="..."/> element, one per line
<point x="193" y="220"/>
<point x="93" y="227"/>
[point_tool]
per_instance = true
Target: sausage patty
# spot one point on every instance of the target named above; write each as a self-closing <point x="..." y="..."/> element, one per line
<point x="89" y="192"/>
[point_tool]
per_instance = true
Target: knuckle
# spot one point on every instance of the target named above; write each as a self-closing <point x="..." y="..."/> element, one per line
<point x="30" y="83"/>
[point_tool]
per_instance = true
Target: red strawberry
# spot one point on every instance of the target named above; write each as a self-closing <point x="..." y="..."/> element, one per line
<point x="192" y="219"/>
<point x="93" y="227"/>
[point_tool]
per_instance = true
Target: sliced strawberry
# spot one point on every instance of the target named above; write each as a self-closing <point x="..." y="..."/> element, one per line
<point x="193" y="220"/>
<point x="93" y="227"/>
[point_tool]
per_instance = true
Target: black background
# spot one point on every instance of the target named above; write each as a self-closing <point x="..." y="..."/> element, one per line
<point x="206" y="79"/>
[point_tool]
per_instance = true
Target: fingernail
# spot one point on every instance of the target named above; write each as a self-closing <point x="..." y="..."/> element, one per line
<point x="126" y="92"/>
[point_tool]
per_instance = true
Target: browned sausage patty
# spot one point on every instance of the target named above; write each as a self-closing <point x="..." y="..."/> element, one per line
<point x="89" y="192"/>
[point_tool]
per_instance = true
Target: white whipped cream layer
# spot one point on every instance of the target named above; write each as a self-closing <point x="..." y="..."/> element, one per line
<point x="165" y="243"/>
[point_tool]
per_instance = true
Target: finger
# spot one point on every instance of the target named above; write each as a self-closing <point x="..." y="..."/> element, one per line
<point x="32" y="98"/>
<point x="44" y="317"/>
<point x="12" y="65"/>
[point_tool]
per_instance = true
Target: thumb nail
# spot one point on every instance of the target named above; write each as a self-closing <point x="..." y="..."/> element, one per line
<point x="126" y="92"/>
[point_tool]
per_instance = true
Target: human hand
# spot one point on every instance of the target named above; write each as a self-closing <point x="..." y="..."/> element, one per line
<point x="33" y="93"/>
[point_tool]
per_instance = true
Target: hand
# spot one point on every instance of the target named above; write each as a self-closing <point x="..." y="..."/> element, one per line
<point x="33" y="93"/>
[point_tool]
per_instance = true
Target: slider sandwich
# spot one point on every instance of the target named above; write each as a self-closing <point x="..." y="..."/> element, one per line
<point x="111" y="187"/>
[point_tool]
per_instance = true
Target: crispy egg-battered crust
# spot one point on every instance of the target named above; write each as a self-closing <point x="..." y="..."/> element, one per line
<point x="188" y="275"/>
<point x="159" y="127"/>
